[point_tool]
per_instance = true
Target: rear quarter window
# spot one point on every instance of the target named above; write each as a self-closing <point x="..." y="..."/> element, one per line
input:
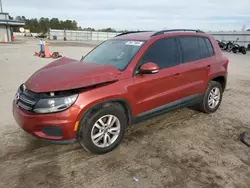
<point x="210" y="47"/>
<point x="204" y="51"/>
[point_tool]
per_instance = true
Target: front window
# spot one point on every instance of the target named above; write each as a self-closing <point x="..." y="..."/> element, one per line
<point x="117" y="53"/>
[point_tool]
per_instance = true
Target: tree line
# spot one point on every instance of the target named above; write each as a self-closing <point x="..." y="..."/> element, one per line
<point x="43" y="25"/>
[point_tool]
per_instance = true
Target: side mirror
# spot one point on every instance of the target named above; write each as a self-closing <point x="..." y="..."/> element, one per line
<point x="149" y="68"/>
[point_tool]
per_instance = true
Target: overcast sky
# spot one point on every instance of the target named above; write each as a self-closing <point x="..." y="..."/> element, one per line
<point x="139" y="14"/>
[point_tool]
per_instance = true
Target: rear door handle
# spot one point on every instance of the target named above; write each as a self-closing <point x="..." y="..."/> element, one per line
<point x="177" y="75"/>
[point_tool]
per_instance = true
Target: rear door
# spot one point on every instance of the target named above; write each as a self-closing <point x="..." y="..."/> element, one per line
<point x="154" y="90"/>
<point x="196" y="64"/>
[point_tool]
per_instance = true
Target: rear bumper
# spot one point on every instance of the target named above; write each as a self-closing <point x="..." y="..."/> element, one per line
<point x="56" y="127"/>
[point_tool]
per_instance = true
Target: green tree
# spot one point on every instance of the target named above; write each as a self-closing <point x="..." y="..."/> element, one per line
<point x="43" y="24"/>
<point x="18" y="18"/>
<point x="54" y="23"/>
<point x="74" y="25"/>
<point x="23" y="18"/>
<point x="107" y="30"/>
<point x="89" y="29"/>
<point x="33" y="25"/>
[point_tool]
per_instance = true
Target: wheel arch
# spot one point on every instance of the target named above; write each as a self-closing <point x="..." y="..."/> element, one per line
<point x="221" y="79"/>
<point x="124" y="103"/>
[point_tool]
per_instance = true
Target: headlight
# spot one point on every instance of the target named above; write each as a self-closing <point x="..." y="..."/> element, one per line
<point x="54" y="104"/>
<point x="17" y="95"/>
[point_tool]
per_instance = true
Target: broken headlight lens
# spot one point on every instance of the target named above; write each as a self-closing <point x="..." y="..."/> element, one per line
<point x="54" y="104"/>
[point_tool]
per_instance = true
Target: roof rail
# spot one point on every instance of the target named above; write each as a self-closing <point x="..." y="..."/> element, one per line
<point x="129" y="32"/>
<point x="173" y="30"/>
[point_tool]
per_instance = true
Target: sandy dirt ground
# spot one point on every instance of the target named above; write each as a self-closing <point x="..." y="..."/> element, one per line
<point x="183" y="148"/>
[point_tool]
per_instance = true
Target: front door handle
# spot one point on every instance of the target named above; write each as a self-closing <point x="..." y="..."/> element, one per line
<point x="208" y="66"/>
<point x="177" y="75"/>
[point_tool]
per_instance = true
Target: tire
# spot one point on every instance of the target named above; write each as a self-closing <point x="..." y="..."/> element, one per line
<point x="234" y="51"/>
<point x="87" y="128"/>
<point x="229" y="48"/>
<point x="204" y="105"/>
<point x="225" y="47"/>
<point x="244" y="51"/>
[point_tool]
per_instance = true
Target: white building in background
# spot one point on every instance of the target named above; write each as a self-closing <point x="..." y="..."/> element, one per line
<point x="6" y="27"/>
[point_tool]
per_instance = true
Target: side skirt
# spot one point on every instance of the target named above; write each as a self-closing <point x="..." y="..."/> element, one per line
<point x="185" y="102"/>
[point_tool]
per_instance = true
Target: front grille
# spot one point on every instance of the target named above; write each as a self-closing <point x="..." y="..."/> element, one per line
<point x="24" y="106"/>
<point x="27" y="100"/>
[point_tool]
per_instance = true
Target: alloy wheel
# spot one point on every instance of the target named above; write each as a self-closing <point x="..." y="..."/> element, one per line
<point x="214" y="97"/>
<point x="105" y="131"/>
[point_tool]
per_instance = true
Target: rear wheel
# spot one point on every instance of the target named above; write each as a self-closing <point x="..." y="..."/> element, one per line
<point x="212" y="97"/>
<point x="103" y="129"/>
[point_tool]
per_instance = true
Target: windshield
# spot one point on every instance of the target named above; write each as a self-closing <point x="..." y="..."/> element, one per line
<point x="117" y="53"/>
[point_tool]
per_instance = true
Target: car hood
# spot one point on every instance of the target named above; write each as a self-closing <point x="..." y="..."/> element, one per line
<point x="67" y="74"/>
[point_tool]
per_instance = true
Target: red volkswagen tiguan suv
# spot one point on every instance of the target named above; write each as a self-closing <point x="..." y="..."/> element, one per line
<point x="124" y="80"/>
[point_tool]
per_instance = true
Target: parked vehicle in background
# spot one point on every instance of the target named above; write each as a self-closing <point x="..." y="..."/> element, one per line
<point x="229" y="46"/>
<point x="239" y="49"/>
<point x="26" y="32"/>
<point x="222" y="44"/>
<point x="41" y="36"/>
<point x="248" y="47"/>
<point x="124" y="80"/>
<point x="232" y="46"/>
<point x="28" y="35"/>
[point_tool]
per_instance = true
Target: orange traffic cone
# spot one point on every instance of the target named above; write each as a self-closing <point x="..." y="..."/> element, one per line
<point x="46" y="50"/>
<point x="13" y="38"/>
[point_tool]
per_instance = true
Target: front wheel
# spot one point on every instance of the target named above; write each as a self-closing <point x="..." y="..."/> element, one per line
<point x="103" y="128"/>
<point x="212" y="97"/>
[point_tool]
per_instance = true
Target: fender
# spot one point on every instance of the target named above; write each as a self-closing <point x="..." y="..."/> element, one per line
<point x="123" y="102"/>
<point x="220" y="75"/>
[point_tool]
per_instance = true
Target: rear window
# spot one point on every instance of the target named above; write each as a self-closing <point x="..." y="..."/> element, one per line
<point x="190" y="49"/>
<point x="195" y="48"/>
